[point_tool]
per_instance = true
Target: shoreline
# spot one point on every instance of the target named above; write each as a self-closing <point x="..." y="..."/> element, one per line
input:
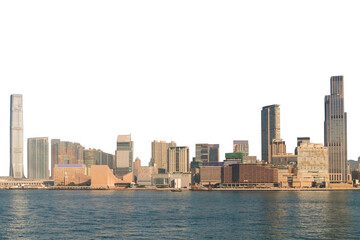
<point x="83" y="188"/>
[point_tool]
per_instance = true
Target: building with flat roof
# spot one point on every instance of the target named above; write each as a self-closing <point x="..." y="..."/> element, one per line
<point x="210" y="175"/>
<point x="124" y="155"/>
<point x="16" y="137"/>
<point x="178" y="159"/>
<point x="159" y="153"/>
<point x="270" y="130"/>
<point x="38" y="158"/>
<point x="335" y="130"/>
<point x="312" y="164"/>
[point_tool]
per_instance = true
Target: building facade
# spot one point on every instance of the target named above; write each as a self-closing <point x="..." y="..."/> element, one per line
<point x="16" y="137"/>
<point x="335" y="130"/>
<point x="270" y="130"/>
<point x="241" y="146"/>
<point x="312" y="164"/>
<point x="98" y="157"/>
<point x="178" y="159"/>
<point x="38" y="158"/>
<point x="124" y="155"/>
<point x="207" y="153"/>
<point x="159" y="153"/>
<point x="63" y="152"/>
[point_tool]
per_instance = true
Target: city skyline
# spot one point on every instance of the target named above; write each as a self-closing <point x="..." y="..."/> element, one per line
<point x="334" y="135"/>
<point x="162" y="76"/>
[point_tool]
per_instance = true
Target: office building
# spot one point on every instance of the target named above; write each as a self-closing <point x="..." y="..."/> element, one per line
<point x="178" y="159"/>
<point x="207" y="153"/>
<point x="16" y="137"/>
<point x="335" y="130"/>
<point x="63" y="152"/>
<point x="270" y="130"/>
<point x="159" y="153"/>
<point x="241" y="146"/>
<point x="124" y="155"/>
<point x="38" y="158"/>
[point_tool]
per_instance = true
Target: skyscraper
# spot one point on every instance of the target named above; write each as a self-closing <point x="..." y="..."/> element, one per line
<point x="270" y="129"/>
<point x="38" y="158"/>
<point x="124" y="155"/>
<point x="16" y="137"/>
<point x="159" y="151"/>
<point x="335" y="130"/>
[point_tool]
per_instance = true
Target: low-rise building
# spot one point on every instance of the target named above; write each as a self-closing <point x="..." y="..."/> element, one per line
<point x="168" y="179"/>
<point x="142" y="175"/>
<point x="65" y="174"/>
<point x="210" y="175"/>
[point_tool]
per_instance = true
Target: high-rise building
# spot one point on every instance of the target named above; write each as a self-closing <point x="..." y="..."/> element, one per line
<point x="270" y="130"/>
<point x="335" y="130"/>
<point x="159" y="153"/>
<point x="38" y="158"/>
<point x="63" y="152"/>
<point x="16" y="137"/>
<point x="207" y="153"/>
<point x="241" y="146"/>
<point x="178" y="159"/>
<point x="124" y="155"/>
<point x="98" y="157"/>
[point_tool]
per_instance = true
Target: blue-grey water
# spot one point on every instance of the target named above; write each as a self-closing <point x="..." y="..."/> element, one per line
<point x="43" y="214"/>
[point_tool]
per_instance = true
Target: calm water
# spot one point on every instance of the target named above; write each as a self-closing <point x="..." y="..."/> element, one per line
<point x="42" y="214"/>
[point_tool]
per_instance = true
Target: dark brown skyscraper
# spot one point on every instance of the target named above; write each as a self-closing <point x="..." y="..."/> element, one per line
<point x="335" y="130"/>
<point x="270" y="129"/>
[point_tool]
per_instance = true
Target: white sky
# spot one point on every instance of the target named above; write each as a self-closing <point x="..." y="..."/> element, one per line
<point x="187" y="71"/>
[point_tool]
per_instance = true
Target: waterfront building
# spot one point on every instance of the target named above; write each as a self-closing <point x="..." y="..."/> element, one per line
<point x="170" y="180"/>
<point x="38" y="158"/>
<point x="159" y="153"/>
<point x="236" y="175"/>
<point x="270" y="130"/>
<point x="142" y="175"/>
<point x="210" y="175"/>
<point x="63" y="152"/>
<point x="124" y="155"/>
<point x="16" y="136"/>
<point x="207" y="153"/>
<point x="312" y="164"/>
<point x="73" y="174"/>
<point x="241" y="146"/>
<point x="335" y="130"/>
<point x="178" y="159"/>
<point x="103" y="177"/>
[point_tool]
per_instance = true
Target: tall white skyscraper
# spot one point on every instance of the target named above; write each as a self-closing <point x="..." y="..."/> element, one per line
<point x="16" y="136"/>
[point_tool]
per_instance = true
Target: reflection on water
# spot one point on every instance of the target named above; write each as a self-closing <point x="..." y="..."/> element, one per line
<point x="185" y="215"/>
